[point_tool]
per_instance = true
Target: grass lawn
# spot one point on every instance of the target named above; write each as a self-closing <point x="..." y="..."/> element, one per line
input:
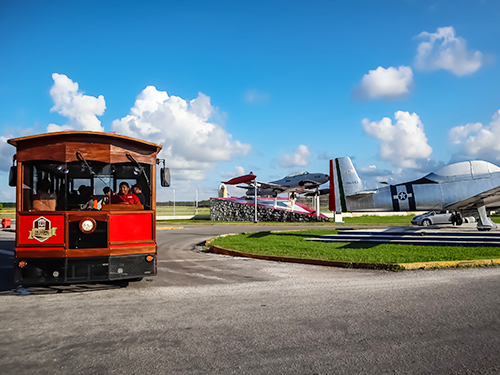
<point x="181" y="210"/>
<point x="292" y="244"/>
<point x="8" y="212"/>
<point x="379" y="220"/>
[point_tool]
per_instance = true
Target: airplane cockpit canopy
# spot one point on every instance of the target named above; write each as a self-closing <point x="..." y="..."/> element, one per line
<point x="465" y="170"/>
<point x="297" y="174"/>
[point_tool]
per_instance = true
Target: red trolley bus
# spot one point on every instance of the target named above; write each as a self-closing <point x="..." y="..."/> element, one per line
<point x="71" y="226"/>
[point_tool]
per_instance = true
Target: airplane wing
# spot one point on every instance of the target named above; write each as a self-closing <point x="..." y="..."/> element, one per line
<point x="246" y="179"/>
<point x="309" y="184"/>
<point x="490" y="198"/>
<point x="267" y="185"/>
<point x="275" y="187"/>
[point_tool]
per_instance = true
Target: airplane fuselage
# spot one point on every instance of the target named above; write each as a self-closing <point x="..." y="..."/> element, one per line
<point x="464" y="188"/>
<point x="424" y="196"/>
<point x="299" y="183"/>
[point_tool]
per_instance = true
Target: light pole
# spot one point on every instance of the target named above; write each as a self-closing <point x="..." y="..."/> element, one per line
<point x="255" y="195"/>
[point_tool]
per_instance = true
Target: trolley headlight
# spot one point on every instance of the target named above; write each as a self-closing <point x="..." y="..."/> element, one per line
<point x="87" y="225"/>
<point x="22" y="264"/>
<point x="149" y="258"/>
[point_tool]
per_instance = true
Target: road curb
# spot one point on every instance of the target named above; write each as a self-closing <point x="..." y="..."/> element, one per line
<point x="451" y="264"/>
<point x="374" y="266"/>
<point x="315" y="262"/>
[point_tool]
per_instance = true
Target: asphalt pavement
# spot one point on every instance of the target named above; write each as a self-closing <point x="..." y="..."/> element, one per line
<point x="205" y="313"/>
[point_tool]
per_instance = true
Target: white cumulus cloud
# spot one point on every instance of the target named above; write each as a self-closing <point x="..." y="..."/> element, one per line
<point x="443" y="50"/>
<point x="6" y="153"/>
<point x="300" y="158"/>
<point x="477" y="140"/>
<point x="387" y="84"/>
<point x="402" y="143"/>
<point x="81" y="110"/>
<point x="237" y="171"/>
<point x="192" y="145"/>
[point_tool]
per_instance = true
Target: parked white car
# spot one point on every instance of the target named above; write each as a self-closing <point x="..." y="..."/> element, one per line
<point x="432" y="218"/>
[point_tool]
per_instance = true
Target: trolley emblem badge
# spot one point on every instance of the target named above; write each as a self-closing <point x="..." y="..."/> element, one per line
<point x="42" y="229"/>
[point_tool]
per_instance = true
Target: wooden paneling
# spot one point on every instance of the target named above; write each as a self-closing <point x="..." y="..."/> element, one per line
<point x="84" y="136"/>
<point x="39" y="253"/>
<point x="66" y="152"/>
<point x="133" y="250"/>
<point x="80" y="253"/>
<point x="127" y="243"/>
<point x="132" y="208"/>
<point x="79" y="215"/>
<point x="42" y="152"/>
<point x="105" y="147"/>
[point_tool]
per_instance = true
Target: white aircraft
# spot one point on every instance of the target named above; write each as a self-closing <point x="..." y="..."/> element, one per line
<point x="295" y="183"/>
<point x="467" y="189"/>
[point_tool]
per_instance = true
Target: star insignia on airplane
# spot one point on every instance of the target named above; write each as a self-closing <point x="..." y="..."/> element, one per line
<point x="402" y="196"/>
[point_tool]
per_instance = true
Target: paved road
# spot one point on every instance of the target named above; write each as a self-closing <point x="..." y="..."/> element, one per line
<point x="206" y="313"/>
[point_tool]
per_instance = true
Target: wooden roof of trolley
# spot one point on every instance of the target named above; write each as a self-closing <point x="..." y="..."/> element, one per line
<point x="97" y="146"/>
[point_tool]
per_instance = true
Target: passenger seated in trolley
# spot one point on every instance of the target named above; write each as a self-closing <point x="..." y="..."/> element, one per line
<point x="125" y="196"/>
<point x="43" y="200"/>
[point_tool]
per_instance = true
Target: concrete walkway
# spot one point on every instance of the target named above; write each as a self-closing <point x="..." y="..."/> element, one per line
<point x="465" y="235"/>
<point x="177" y="217"/>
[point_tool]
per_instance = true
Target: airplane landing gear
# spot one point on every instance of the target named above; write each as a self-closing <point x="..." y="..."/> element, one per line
<point x="484" y="223"/>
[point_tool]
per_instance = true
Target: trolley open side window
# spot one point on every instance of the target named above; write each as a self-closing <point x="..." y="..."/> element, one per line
<point x="52" y="186"/>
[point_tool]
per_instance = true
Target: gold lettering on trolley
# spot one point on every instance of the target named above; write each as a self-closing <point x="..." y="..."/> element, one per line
<point x="43" y="234"/>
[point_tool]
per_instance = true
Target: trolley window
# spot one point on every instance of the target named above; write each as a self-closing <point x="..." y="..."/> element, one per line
<point x="79" y="185"/>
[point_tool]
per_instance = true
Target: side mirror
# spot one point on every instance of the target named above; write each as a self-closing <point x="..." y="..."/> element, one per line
<point x="13" y="176"/>
<point x="165" y="177"/>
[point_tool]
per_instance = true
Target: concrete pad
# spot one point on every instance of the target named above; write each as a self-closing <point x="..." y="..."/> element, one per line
<point x="177" y="217"/>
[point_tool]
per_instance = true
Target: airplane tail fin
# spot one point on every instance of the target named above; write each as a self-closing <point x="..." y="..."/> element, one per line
<point x="332" y="204"/>
<point x="348" y="179"/>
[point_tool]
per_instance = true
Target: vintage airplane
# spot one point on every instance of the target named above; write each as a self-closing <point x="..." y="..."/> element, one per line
<point x="466" y="189"/>
<point x="295" y="183"/>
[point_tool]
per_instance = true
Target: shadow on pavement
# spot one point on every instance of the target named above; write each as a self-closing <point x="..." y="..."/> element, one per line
<point x="57" y="289"/>
<point x="9" y="287"/>
<point x="359" y="245"/>
<point x="7" y="264"/>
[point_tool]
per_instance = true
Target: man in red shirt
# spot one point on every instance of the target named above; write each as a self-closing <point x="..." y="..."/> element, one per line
<point x="125" y="196"/>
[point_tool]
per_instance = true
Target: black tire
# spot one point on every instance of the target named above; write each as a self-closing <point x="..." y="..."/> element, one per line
<point x="119" y="283"/>
<point x="426" y="222"/>
<point x="459" y="221"/>
<point x="135" y="279"/>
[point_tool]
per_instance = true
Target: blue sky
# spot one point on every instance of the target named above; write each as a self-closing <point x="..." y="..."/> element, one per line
<point x="269" y="86"/>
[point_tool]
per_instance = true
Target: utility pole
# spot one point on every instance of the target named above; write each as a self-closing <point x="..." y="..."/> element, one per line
<point x="255" y="203"/>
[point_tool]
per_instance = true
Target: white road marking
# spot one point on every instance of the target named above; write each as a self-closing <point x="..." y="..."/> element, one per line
<point x="188" y="260"/>
<point x="7" y="252"/>
<point x="194" y="274"/>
